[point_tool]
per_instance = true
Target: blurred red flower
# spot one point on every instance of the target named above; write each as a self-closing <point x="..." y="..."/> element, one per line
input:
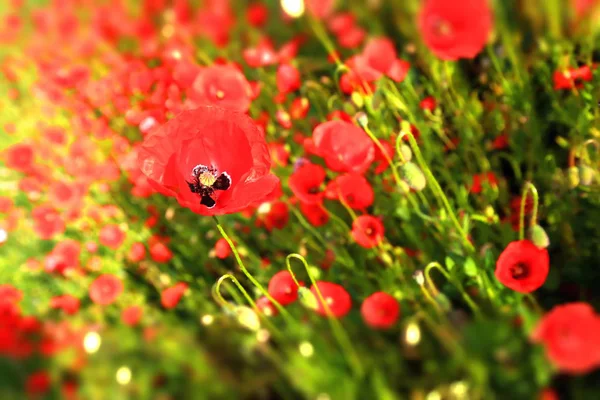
<point x="111" y="236"/>
<point x="344" y="146"/>
<point x="222" y="249"/>
<point x="288" y="78"/>
<point x="69" y="304"/>
<point x="214" y="161"/>
<point x="306" y="183"/>
<point x="283" y="288"/>
<point x="19" y="157"/>
<point x="337" y="298"/>
<point x="105" y="289"/>
<point x="170" y="297"/>
<point x="380" y="310"/>
<point x="315" y="213"/>
<point x="132" y="315"/>
<point x="223" y="86"/>
<point x="522" y="266"/>
<point x="367" y="231"/>
<point x="354" y="189"/>
<point x="478" y="179"/>
<point x="47" y="222"/>
<point x="38" y="383"/>
<point x="569" y="334"/>
<point x="454" y="30"/>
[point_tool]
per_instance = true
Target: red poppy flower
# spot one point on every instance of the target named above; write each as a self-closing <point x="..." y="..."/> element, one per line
<point x="315" y="213"/>
<point x="454" y="31"/>
<point x="320" y="9"/>
<point x="47" y="222"/>
<point x="257" y="14"/>
<point x="367" y="231"/>
<point x="306" y="183"/>
<point x="380" y="310"/>
<point x="354" y="189"/>
<point x="160" y="252"/>
<point x="428" y="103"/>
<point x="266" y="307"/>
<point x="337" y="298"/>
<point x="111" y="236"/>
<point x="344" y="146"/>
<point x="69" y="304"/>
<point x="569" y="334"/>
<point x="288" y="78"/>
<point x="132" y="315"/>
<point x="572" y="78"/>
<point x="523" y="266"/>
<point x="222" y="249"/>
<point x="105" y="289"/>
<point x="214" y="161"/>
<point x="283" y="288"/>
<point x="19" y="157"/>
<point x="223" y="86"/>
<point x="137" y="252"/>
<point x="38" y="383"/>
<point x="170" y="297"/>
<point x="478" y="179"/>
<point x="276" y="217"/>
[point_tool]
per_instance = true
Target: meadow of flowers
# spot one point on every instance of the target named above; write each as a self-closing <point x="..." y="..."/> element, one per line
<point x="300" y="199"/>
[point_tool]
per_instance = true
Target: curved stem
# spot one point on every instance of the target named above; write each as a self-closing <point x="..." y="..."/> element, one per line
<point x="339" y="332"/>
<point x="441" y="269"/>
<point x="247" y="273"/>
<point x="216" y="293"/>
<point x="529" y="187"/>
<point x="434" y="183"/>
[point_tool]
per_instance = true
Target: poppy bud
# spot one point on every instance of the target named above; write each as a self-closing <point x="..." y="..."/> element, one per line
<point x="412" y="174"/>
<point x="539" y="237"/>
<point x="586" y="175"/>
<point x="247" y="318"/>
<point x="573" y="176"/>
<point x="307" y="298"/>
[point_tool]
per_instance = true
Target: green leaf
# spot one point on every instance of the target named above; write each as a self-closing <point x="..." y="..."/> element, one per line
<point x="470" y="267"/>
<point x="449" y="263"/>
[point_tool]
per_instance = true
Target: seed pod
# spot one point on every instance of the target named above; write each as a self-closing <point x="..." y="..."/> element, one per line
<point x="586" y="175"/>
<point x="413" y="176"/>
<point x="539" y="237"/>
<point x="573" y="176"/>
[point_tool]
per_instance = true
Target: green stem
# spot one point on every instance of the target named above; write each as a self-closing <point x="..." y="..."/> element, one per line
<point x="248" y="274"/>
<point x="338" y="331"/>
<point x="435" y="186"/>
<point x="528" y="187"/>
<point x="216" y="292"/>
<point x="464" y="294"/>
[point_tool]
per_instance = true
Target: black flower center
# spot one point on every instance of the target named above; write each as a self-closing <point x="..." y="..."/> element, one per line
<point x="205" y="180"/>
<point x="519" y="271"/>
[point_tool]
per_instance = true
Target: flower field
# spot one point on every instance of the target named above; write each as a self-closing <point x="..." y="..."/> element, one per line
<point x="300" y="199"/>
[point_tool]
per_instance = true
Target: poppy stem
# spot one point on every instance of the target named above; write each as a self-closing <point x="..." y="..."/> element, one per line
<point x="464" y="294"/>
<point x="338" y="331"/>
<point x="435" y="186"/>
<point x="529" y="187"/>
<point x="216" y="293"/>
<point x="248" y="274"/>
<point x="218" y="297"/>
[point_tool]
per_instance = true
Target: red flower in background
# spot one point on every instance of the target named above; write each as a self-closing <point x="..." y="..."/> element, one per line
<point x="306" y="183"/>
<point x="19" y="157"/>
<point x="111" y="236"/>
<point x="283" y="288"/>
<point x="454" y="30"/>
<point x="222" y="249"/>
<point x="105" y="289"/>
<point x="354" y="189"/>
<point x="572" y="77"/>
<point x="69" y="304"/>
<point x="38" y="383"/>
<point x="367" y="231"/>
<point x="315" y="213"/>
<point x="47" y="222"/>
<point x="214" y="161"/>
<point x="379" y="58"/>
<point x="344" y="146"/>
<point x="223" y="86"/>
<point x="132" y="315"/>
<point x="336" y="297"/>
<point x="380" y="310"/>
<point x="477" y="185"/>
<point x="170" y="297"/>
<point x="522" y="266"/>
<point x="569" y="334"/>
<point x="288" y="78"/>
